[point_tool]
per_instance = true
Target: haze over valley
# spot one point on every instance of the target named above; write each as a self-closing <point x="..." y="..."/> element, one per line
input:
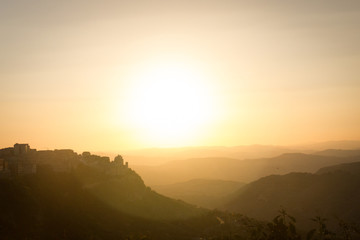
<point x="49" y="184"/>
<point x="180" y="120"/>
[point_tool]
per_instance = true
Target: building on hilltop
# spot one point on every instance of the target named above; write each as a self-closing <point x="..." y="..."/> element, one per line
<point x="119" y="160"/>
<point x="58" y="160"/>
<point x="20" y="149"/>
<point x="17" y="161"/>
<point x="94" y="160"/>
<point x="6" y="152"/>
<point x="86" y="154"/>
<point x="21" y="160"/>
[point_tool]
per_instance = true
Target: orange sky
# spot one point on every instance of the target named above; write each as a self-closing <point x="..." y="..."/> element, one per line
<point x="108" y="75"/>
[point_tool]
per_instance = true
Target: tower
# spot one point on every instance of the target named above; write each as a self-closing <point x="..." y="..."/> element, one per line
<point x="20" y="149"/>
<point x="119" y="160"/>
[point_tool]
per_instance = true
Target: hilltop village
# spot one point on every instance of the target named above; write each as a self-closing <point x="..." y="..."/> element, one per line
<point x="22" y="160"/>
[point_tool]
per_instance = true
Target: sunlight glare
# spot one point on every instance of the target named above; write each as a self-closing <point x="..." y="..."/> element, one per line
<point x="169" y="103"/>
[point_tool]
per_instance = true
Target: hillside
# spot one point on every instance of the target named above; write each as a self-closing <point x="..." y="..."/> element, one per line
<point x="208" y="193"/>
<point x="235" y="169"/>
<point x="57" y="206"/>
<point x="128" y="193"/>
<point x="320" y="146"/>
<point x="98" y="199"/>
<point x="304" y="195"/>
<point x="339" y="153"/>
<point x="156" y="156"/>
<point x="353" y="168"/>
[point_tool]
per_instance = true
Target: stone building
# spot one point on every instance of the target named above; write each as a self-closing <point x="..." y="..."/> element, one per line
<point x="17" y="161"/>
<point x="119" y="160"/>
<point x="20" y="149"/>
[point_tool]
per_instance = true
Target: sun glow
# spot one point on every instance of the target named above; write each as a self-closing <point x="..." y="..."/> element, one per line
<point x="169" y="103"/>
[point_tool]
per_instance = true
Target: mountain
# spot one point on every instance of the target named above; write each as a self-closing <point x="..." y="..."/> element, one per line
<point x="156" y="156"/>
<point x="320" y="146"/>
<point x="50" y="205"/>
<point x="71" y="196"/>
<point x="54" y="205"/>
<point x="235" y="169"/>
<point x="128" y="194"/>
<point x="112" y="182"/>
<point x="208" y="193"/>
<point x="62" y="195"/>
<point x="353" y="168"/>
<point x="304" y="195"/>
<point x="339" y="153"/>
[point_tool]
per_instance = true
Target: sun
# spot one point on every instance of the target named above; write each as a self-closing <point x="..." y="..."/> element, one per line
<point x="169" y="103"/>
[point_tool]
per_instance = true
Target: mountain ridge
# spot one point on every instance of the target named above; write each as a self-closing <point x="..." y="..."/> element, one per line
<point x="326" y="194"/>
<point x="235" y="169"/>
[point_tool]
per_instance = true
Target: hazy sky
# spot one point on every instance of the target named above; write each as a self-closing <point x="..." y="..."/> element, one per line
<point x="84" y="74"/>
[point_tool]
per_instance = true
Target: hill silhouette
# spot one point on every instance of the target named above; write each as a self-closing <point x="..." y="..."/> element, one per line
<point x="353" y="168"/>
<point x="128" y="193"/>
<point x="158" y="156"/>
<point x="50" y="205"/>
<point x="93" y="198"/>
<point x="328" y="194"/>
<point x="55" y="207"/>
<point x="339" y="153"/>
<point x="235" y="169"/>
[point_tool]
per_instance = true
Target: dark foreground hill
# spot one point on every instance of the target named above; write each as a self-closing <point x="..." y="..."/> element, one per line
<point x="128" y="194"/>
<point x="50" y="205"/>
<point x="334" y="194"/>
<point x="60" y="206"/>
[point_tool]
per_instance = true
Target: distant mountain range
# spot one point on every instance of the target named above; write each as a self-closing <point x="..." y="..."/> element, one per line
<point x="157" y="156"/>
<point x="339" y="153"/>
<point x="239" y="170"/>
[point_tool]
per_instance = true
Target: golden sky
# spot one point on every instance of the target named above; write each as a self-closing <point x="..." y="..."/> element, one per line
<point x="107" y="75"/>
